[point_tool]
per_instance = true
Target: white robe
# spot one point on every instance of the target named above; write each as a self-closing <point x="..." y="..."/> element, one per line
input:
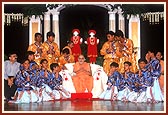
<point x="67" y="82"/>
<point x="99" y="80"/>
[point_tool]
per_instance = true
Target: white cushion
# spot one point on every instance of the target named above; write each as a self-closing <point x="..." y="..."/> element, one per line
<point x="69" y="67"/>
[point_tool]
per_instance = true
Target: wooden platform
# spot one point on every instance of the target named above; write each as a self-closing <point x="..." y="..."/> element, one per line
<point x="82" y="105"/>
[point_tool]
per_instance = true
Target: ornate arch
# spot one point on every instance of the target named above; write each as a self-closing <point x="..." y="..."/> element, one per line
<point x="59" y="7"/>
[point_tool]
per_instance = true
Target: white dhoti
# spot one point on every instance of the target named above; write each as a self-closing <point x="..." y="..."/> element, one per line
<point x="64" y="92"/>
<point x="142" y="97"/>
<point x="44" y="94"/>
<point x="26" y="97"/>
<point x="56" y="94"/>
<point x="123" y="94"/>
<point x="149" y="93"/>
<point x="108" y="94"/>
<point x="23" y="98"/>
<point x="132" y="96"/>
<point x="34" y="96"/>
<point x="156" y="91"/>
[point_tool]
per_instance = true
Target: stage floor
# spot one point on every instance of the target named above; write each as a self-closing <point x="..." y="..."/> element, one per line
<point x="83" y="105"/>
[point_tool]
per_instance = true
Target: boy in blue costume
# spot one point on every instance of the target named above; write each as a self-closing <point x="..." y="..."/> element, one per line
<point x="56" y="83"/>
<point x="113" y="83"/>
<point x="126" y="85"/>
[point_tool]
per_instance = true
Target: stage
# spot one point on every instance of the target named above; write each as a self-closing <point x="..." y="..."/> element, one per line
<point x="83" y="105"/>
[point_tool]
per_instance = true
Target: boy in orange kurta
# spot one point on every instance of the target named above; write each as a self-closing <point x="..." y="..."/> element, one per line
<point x="37" y="48"/>
<point x="69" y="46"/>
<point x="52" y="51"/>
<point x="126" y="45"/>
<point x="66" y="57"/>
<point x="107" y="51"/>
<point x="82" y="79"/>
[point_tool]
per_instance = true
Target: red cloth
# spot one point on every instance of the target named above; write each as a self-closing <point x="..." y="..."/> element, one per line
<point x="76" y="30"/>
<point x="81" y="95"/>
<point x="92" y="47"/>
<point x="76" y="49"/>
<point x="92" y="31"/>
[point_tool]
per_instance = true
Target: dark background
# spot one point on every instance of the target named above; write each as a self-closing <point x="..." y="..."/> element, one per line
<point x="83" y="17"/>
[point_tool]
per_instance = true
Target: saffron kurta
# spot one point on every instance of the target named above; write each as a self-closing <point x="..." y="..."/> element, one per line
<point x="109" y="57"/>
<point x="52" y="52"/>
<point x="38" y="50"/>
<point x="62" y="60"/>
<point x="127" y="51"/>
<point x="82" y="80"/>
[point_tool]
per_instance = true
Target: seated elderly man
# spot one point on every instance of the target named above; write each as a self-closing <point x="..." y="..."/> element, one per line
<point x="98" y="76"/>
<point x="82" y="78"/>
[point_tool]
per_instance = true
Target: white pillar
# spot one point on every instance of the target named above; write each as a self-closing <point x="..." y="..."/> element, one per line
<point x="8" y="19"/>
<point x="134" y="32"/>
<point x="56" y="26"/>
<point x="34" y="26"/>
<point x="46" y="24"/>
<point x="121" y="21"/>
<point x="112" y="20"/>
